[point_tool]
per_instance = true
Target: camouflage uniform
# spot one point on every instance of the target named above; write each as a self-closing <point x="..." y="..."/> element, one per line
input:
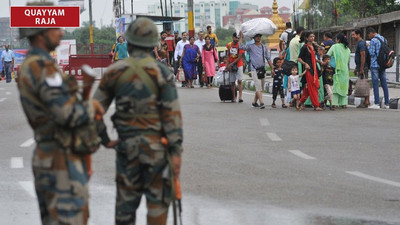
<point x="50" y="102"/>
<point x="142" y="117"/>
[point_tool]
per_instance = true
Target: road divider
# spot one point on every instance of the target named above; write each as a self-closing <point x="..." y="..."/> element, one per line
<point x="28" y="143"/>
<point x="28" y="187"/>
<point x="300" y="154"/>
<point x="372" y="178"/>
<point x="274" y="137"/>
<point x="17" y="163"/>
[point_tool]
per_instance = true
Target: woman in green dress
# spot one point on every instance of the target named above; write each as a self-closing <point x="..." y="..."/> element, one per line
<point x="340" y="52"/>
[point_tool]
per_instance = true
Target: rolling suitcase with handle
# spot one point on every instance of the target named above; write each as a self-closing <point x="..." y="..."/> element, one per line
<point x="225" y="91"/>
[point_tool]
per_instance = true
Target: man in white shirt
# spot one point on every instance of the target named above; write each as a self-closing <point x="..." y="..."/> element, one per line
<point x="178" y="53"/>
<point x="200" y="42"/>
<point x="7" y="59"/>
<point x="286" y="37"/>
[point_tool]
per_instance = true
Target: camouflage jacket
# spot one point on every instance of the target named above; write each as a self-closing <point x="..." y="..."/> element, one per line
<point x="140" y="111"/>
<point x="49" y="98"/>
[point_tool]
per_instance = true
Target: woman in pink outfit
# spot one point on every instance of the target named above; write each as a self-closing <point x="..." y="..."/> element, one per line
<point x="209" y="56"/>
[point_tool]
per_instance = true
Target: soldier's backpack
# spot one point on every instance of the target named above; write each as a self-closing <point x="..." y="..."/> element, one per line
<point x="386" y="56"/>
<point x="290" y="36"/>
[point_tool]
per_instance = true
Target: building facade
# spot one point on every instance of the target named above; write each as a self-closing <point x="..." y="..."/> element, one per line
<point x="5" y="32"/>
<point x="205" y="14"/>
<point x="243" y="15"/>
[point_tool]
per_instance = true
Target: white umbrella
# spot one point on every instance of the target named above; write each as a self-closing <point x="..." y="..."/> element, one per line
<point x="255" y="26"/>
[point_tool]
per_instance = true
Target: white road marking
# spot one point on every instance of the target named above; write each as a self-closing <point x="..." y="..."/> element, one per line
<point x="2" y="99"/>
<point x="264" y="122"/>
<point x="17" y="162"/>
<point x="28" y="187"/>
<point x="8" y="93"/>
<point x="301" y="154"/>
<point x="376" y="179"/>
<point x="28" y="143"/>
<point x="274" y="137"/>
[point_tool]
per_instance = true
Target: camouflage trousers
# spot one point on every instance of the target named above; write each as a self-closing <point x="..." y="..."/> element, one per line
<point x="140" y="165"/>
<point x="61" y="184"/>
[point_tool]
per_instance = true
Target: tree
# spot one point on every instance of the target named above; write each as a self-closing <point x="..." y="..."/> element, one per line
<point x="103" y="39"/>
<point x="367" y="8"/>
<point x="322" y="13"/>
<point x="224" y="35"/>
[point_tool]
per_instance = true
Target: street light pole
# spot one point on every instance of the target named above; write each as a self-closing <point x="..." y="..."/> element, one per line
<point x="190" y="18"/>
<point x="91" y="27"/>
<point x="9" y="6"/>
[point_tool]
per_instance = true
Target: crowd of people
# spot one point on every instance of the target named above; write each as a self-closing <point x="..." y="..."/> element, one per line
<point x="321" y="80"/>
<point x="330" y="59"/>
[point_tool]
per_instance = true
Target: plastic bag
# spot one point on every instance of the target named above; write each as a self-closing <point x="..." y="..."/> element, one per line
<point x="220" y="76"/>
<point x="181" y="75"/>
<point x="255" y="26"/>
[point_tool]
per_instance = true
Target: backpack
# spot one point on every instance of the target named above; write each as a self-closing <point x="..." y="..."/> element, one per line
<point x="386" y="56"/>
<point x="290" y="36"/>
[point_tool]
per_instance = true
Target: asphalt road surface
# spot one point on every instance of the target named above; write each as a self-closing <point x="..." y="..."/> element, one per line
<point x="241" y="166"/>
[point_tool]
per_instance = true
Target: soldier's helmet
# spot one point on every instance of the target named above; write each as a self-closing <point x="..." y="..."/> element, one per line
<point x="27" y="32"/>
<point x="142" y="32"/>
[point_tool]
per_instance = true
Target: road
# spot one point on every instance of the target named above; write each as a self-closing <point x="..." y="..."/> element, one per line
<point x="241" y="165"/>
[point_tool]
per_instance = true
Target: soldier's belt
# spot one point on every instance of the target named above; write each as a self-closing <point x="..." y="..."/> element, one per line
<point x="131" y="116"/>
<point x="135" y="133"/>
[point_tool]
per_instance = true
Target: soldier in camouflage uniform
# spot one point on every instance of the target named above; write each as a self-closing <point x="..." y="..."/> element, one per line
<point x="147" y="109"/>
<point x="50" y="102"/>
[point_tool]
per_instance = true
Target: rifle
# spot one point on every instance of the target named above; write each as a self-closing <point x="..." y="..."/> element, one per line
<point x="176" y="187"/>
<point x="89" y="76"/>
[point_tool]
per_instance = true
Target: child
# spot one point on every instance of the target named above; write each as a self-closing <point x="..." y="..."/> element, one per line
<point x="278" y="83"/>
<point x="221" y="70"/>
<point x="327" y="77"/>
<point x="222" y="66"/>
<point x="294" y="86"/>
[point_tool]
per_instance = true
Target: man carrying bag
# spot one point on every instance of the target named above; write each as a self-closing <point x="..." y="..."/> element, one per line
<point x="362" y="61"/>
<point x="258" y="53"/>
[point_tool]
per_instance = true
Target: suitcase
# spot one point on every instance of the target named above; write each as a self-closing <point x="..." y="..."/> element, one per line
<point x="225" y="91"/>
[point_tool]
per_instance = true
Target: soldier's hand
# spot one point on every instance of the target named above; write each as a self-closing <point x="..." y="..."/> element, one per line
<point x="113" y="143"/>
<point x="98" y="109"/>
<point x="176" y="162"/>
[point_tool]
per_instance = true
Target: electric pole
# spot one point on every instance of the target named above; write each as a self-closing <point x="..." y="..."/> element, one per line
<point x="190" y="18"/>
<point x="91" y="27"/>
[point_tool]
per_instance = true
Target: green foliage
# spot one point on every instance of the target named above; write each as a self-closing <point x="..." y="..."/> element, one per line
<point x="224" y="35"/>
<point x="103" y="39"/>
<point x="367" y="8"/>
<point x="322" y="11"/>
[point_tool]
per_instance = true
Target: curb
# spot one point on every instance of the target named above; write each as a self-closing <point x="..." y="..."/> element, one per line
<point x="248" y="84"/>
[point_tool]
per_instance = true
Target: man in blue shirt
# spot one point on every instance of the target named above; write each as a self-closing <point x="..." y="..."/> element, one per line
<point x="361" y="61"/>
<point x="376" y="71"/>
<point x="7" y="59"/>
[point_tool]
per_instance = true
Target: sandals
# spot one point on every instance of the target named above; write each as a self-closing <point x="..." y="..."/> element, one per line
<point x="284" y="106"/>
<point x="273" y="105"/>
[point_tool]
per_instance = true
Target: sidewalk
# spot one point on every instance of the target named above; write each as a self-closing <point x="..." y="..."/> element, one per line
<point x="394" y="91"/>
